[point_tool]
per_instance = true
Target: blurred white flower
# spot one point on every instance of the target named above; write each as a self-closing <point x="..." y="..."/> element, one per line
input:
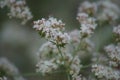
<point x="109" y="11"/>
<point x="46" y="66"/>
<point x="10" y="69"/>
<point x="88" y="24"/>
<point x="18" y="9"/>
<point x="113" y="51"/>
<point x="103" y="72"/>
<point x="88" y="7"/>
<point x="116" y="30"/>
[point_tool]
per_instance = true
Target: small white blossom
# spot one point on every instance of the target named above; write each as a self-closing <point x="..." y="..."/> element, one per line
<point x="80" y="78"/>
<point x="109" y="11"/>
<point x="75" y="36"/>
<point x="10" y="69"/>
<point x="75" y="67"/>
<point x="47" y="50"/>
<point x="88" y="24"/>
<point x="113" y="52"/>
<point x="88" y="7"/>
<point x="82" y="17"/>
<point x="105" y="72"/>
<point x="46" y="66"/>
<point x="116" y="30"/>
<point x="3" y="78"/>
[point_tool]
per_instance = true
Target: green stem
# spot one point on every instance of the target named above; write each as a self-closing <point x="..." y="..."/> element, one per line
<point x="31" y="74"/>
<point x="68" y="77"/>
<point x="86" y="66"/>
<point x="39" y="74"/>
<point x="60" y="52"/>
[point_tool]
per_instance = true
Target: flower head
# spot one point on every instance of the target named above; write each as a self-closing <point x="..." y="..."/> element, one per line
<point x="53" y="30"/>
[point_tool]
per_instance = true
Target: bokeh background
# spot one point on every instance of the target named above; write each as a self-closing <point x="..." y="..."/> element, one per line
<point x="19" y="43"/>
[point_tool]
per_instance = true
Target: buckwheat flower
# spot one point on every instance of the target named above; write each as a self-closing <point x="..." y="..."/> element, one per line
<point x="109" y="11"/>
<point x="3" y="78"/>
<point x="18" y="9"/>
<point x="75" y="67"/>
<point x="9" y="69"/>
<point x="100" y="58"/>
<point x="82" y="17"/>
<point x="113" y="63"/>
<point x="47" y="51"/>
<point x="61" y="38"/>
<point x="108" y="4"/>
<point x="116" y="30"/>
<point x="75" y="34"/>
<point x="88" y="7"/>
<point x="53" y="30"/>
<point x="107" y="15"/>
<point x="50" y="23"/>
<point x="75" y="40"/>
<point x="80" y="78"/>
<point x="103" y="72"/>
<point x="46" y="66"/>
<point x="72" y="63"/>
<point x="113" y="52"/>
<point x="87" y="28"/>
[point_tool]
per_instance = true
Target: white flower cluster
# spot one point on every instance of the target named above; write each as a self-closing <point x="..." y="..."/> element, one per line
<point x="113" y="52"/>
<point x="88" y="7"/>
<point x="3" y="78"/>
<point x="88" y="24"/>
<point x="110" y="11"/>
<point x="75" y="67"/>
<point x="107" y="73"/>
<point x="72" y="63"/>
<point x="10" y="69"/>
<point x="80" y="78"/>
<point x="102" y="10"/>
<point x="47" y="56"/>
<point x="53" y="30"/>
<point x="78" y="41"/>
<point x="75" y="36"/>
<point x="50" y="59"/>
<point x="47" y="51"/>
<point x="18" y="9"/>
<point x="116" y="30"/>
<point x="46" y="66"/>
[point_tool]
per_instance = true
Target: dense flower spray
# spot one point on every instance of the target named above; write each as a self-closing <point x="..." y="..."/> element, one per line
<point x="72" y="52"/>
<point x="18" y="9"/>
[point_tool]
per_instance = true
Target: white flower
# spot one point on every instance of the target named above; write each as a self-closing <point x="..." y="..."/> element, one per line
<point x="52" y="29"/>
<point x="88" y="7"/>
<point x="88" y="24"/>
<point x="75" y="67"/>
<point x="9" y="69"/>
<point x="109" y="11"/>
<point x="18" y="9"/>
<point x="113" y="52"/>
<point x="105" y="72"/>
<point x="46" y="66"/>
<point x="116" y="30"/>
<point x="3" y="78"/>
<point x="81" y="17"/>
<point x="80" y="78"/>
<point x="47" y="50"/>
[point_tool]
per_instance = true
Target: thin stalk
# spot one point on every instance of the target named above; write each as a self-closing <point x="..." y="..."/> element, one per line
<point x="60" y="52"/>
<point x="68" y="77"/>
<point x="39" y="74"/>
